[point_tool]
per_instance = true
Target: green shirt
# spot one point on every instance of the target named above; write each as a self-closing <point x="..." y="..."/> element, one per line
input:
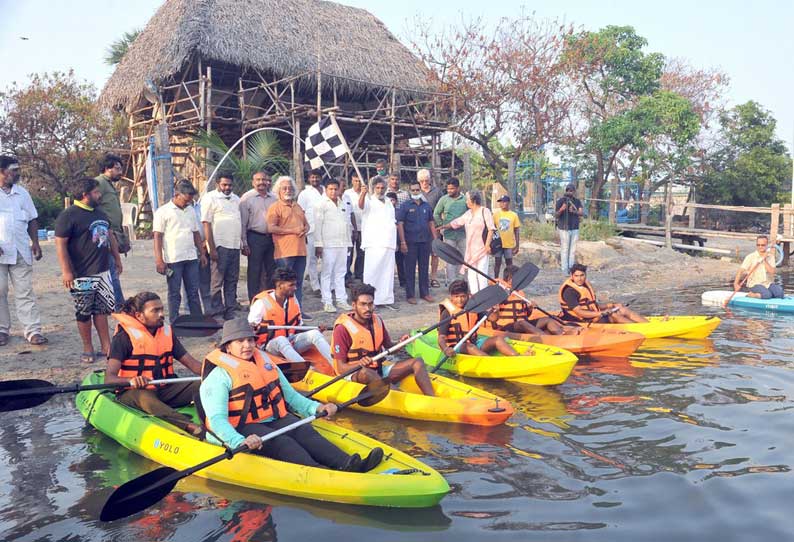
<point x="111" y="203"/>
<point x="447" y="210"/>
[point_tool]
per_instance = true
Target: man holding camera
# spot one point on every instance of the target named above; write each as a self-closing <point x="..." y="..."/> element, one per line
<point x="567" y="212"/>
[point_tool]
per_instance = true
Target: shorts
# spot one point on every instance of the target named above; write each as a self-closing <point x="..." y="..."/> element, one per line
<point x="506" y="253"/>
<point x="92" y="295"/>
<point x="386" y="368"/>
<point x="481" y="341"/>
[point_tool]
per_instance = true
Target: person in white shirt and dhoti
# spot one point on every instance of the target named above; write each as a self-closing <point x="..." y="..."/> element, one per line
<point x="378" y="240"/>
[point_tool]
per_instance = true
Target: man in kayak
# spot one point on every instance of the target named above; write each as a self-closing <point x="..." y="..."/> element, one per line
<point x="452" y="332"/>
<point x="360" y="335"/>
<point x="759" y="277"/>
<point x="280" y="307"/>
<point x="144" y="349"/>
<point x="578" y="302"/>
<point x="245" y="395"/>
<point x="517" y="315"/>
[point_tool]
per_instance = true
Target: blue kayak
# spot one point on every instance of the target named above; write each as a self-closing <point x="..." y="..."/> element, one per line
<point x="717" y="298"/>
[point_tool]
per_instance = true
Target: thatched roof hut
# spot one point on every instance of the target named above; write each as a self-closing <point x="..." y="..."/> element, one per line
<point x="280" y="37"/>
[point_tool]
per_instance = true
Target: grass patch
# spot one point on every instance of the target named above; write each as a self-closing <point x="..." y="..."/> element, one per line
<point x="537" y="232"/>
<point x="589" y="230"/>
<point x="593" y="230"/>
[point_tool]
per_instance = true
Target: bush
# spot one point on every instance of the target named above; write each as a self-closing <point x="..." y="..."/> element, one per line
<point x="48" y="209"/>
<point x="592" y="230"/>
<point x="535" y="231"/>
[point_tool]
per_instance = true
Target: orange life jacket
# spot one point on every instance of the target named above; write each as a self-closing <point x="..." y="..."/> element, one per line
<point x="256" y="393"/>
<point x="587" y="299"/>
<point x="152" y="355"/>
<point x="365" y="341"/>
<point x="460" y="325"/>
<point x="276" y="315"/>
<point x="512" y="310"/>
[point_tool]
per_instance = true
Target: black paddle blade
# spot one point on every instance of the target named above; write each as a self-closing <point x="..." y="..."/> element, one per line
<point x="447" y="252"/>
<point x="18" y="400"/>
<point x="486" y="298"/>
<point x="195" y="326"/>
<point x="524" y="275"/>
<point x="138" y="494"/>
<point x="371" y="394"/>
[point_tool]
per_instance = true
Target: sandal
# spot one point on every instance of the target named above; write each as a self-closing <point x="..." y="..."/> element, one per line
<point x="435" y="284"/>
<point x="87" y="357"/>
<point x="37" y="339"/>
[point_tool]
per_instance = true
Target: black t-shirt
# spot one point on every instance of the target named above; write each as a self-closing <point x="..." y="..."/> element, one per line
<point x="121" y="346"/>
<point x="571" y="298"/>
<point x="569" y="220"/>
<point x="89" y="244"/>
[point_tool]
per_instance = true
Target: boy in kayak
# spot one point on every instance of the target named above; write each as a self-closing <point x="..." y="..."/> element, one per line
<point x="578" y="302"/>
<point x="245" y="395"/>
<point x="144" y="349"/>
<point x="360" y="335"/>
<point x="759" y="277"/>
<point x="452" y="332"/>
<point x="516" y="315"/>
<point x="280" y="307"/>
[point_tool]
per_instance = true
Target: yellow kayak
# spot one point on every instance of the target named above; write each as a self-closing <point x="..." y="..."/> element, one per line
<point x="538" y="364"/>
<point x="683" y="327"/>
<point x="399" y="481"/>
<point x="454" y="402"/>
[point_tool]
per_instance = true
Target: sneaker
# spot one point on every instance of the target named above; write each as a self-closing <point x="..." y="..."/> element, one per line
<point x="329" y="308"/>
<point x="307" y="317"/>
<point x="343" y="305"/>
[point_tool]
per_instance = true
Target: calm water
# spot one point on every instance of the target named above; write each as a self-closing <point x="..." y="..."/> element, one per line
<point x="686" y="440"/>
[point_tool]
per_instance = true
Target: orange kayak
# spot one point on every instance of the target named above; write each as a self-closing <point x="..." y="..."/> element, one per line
<point x="595" y="343"/>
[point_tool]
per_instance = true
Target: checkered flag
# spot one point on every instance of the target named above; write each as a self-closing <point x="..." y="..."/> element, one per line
<point x="324" y="143"/>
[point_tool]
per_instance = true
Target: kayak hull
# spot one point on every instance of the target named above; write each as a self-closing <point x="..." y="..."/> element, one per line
<point x="164" y="443"/>
<point x="454" y="402"/>
<point x="594" y="343"/>
<point x="547" y="366"/>
<point x="683" y="327"/>
<point x="717" y="298"/>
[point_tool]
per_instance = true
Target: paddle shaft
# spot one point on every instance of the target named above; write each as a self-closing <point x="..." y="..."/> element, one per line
<point x="73" y="388"/>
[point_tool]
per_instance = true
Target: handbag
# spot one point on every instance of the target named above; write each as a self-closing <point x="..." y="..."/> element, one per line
<point x="496" y="238"/>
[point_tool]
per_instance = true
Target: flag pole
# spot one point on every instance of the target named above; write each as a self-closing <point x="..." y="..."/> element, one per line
<point x="347" y="147"/>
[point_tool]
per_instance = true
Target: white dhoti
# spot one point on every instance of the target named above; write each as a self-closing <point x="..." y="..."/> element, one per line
<point x="379" y="273"/>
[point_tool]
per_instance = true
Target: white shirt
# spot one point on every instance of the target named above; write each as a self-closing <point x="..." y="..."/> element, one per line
<point x="259" y="308"/>
<point x="759" y="274"/>
<point x="378" y="227"/>
<point x="332" y="224"/>
<point x="223" y="212"/>
<point x="177" y="226"/>
<point x="16" y="210"/>
<point x="351" y="197"/>
<point x="307" y="199"/>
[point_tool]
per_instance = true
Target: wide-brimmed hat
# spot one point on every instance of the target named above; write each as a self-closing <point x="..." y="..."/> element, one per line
<point x="239" y="328"/>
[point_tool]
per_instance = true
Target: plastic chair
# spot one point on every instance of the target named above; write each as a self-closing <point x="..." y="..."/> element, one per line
<point x="129" y="219"/>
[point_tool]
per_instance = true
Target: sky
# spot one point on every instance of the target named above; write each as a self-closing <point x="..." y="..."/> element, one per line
<point x="752" y="42"/>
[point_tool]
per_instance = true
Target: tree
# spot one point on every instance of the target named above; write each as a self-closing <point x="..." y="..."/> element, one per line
<point x="116" y="51"/>
<point x="56" y="129"/>
<point x="508" y="83"/>
<point x="750" y="165"/>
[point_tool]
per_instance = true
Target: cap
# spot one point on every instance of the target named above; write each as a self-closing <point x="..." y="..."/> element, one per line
<point x="239" y="328"/>
<point x="504" y="198"/>
<point x="571" y="186"/>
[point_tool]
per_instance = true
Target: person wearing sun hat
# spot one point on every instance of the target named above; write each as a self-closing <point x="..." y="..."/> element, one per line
<point x="245" y="396"/>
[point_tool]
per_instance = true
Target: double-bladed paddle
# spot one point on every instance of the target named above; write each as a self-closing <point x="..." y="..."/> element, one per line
<point x="28" y="393"/>
<point x="144" y="491"/>
<point x="482" y="300"/>
<point x="521" y="279"/>
<point x="204" y="326"/>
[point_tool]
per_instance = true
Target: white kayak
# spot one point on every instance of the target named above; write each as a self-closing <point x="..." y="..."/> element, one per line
<point x="717" y="298"/>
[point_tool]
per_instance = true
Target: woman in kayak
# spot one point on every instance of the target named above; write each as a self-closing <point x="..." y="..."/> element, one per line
<point x="245" y="396"/>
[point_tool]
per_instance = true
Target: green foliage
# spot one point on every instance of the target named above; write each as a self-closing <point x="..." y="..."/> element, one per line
<point x="55" y="128"/>
<point x="537" y="232"/>
<point x="751" y="166"/>
<point x="116" y="51"/>
<point x="48" y="210"/>
<point x="594" y="230"/>
<point x="263" y="152"/>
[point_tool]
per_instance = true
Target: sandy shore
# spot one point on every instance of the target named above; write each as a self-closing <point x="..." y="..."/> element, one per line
<point x="59" y="361"/>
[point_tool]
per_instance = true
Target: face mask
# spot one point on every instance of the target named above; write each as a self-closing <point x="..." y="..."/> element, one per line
<point x="416" y="197"/>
